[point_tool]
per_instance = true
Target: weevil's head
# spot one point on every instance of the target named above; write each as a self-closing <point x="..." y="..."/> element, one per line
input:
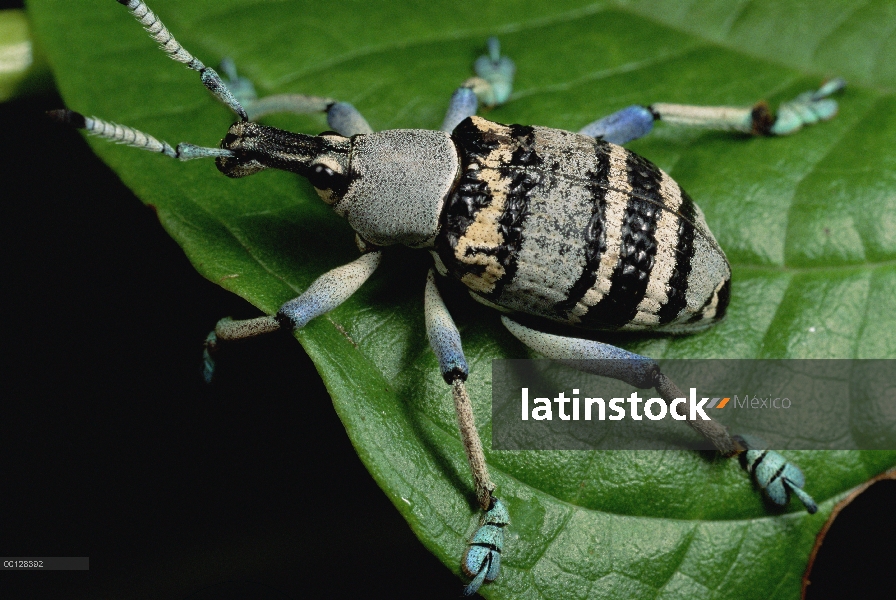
<point x="322" y="159"/>
<point x="391" y="186"/>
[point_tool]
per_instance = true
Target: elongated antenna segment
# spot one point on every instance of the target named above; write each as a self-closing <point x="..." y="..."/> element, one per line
<point x="175" y="51"/>
<point x="122" y="134"/>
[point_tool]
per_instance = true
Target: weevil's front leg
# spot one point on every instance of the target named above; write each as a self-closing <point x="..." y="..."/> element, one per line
<point x="326" y="293"/>
<point x="636" y="121"/>
<point x="491" y="86"/>
<point x="445" y="341"/>
<point x="610" y="361"/>
<point x="342" y="117"/>
<point x="482" y="560"/>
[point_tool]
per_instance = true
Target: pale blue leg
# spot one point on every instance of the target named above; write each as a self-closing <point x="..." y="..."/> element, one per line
<point x="622" y="126"/>
<point x="634" y="122"/>
<point x="463" y="104"/>
<point x="342" y="117"/>
<point x="326" y="293"/>
<point x="772" y="472"/>
<point x="482" y="560"/>
<point x="491" y="86"/>
<point x="609" y="361"/>
<point x="445" y="341"/>
<point x="589" y="356"/>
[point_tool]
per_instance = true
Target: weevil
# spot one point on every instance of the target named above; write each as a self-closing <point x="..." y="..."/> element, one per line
<point x="538" y="223"/>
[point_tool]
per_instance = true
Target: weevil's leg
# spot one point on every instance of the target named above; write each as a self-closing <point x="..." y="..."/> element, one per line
<point x="622" y="126"/>
<point x="175" y="51"/>
<point x="342" y="117"/>
<point x="636" y="121"/>
<point x="482" y="561"/>
<point x="122" y="134"/>
<point x="610" y="361"/>
<point x="326" y="293"/>
<point x="717" y="434"/>
<point x="491" y="86"/>
<point x="445" y="341"/>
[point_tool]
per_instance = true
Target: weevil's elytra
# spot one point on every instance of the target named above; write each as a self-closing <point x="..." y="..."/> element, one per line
<point x="568" y="227"/>
<point x="577" y="230"/>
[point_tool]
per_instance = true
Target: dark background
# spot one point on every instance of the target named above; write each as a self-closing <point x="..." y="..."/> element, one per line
<point x="113" y="448"/>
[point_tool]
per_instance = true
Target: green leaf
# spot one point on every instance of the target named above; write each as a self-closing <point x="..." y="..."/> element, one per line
<point x="23" y="68"/>
<point x="807" y="222"/>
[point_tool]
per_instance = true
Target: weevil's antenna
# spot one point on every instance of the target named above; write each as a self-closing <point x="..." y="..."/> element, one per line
<point x="175" y="51"/>
<point x="122" y="134"/>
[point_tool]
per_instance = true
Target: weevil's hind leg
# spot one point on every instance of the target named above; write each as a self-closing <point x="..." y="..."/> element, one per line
<point x="326" y="293"/>
<point x="158" y="32"/>
<point x="490" y="87"/>
<point x="482" y="560"/>
<point x="342" y="117"/>
<point x="609" y="361"/>
<point x="634" y="122"/>
<point x="772" y="471"/>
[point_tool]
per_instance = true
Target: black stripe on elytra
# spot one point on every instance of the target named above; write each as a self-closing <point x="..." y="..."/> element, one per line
<point x="595" y="234"/>
<point x="677" y="286"/>
<point x="724" y="294"/>
<point x="473" y="142"/>
<point x="637" y="251"/>
<point x="524" y="174"/>
<point x="646" y="181"/>
<point x="724" y="299"/>
<point x="687" y="209"/>
<point x="511" y="224"/>
<point x="470" y="195"/>
<point x="525" y="155"/>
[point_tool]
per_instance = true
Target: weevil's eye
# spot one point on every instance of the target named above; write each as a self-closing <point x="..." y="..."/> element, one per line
<point x="321" y="176"/>
<point x="327" y="177"/>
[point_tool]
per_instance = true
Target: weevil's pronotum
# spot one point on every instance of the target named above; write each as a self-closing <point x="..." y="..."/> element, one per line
<point x="553" y="225"/>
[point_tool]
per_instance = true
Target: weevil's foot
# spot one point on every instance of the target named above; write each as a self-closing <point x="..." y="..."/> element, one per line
<point x="482" y="560"/>
<point x="240" y="87"/>
<point x="773" y="473"/>
<point x="494" y="76"/>
<point x="807" y="109"/>
<point x="208" y="361"/>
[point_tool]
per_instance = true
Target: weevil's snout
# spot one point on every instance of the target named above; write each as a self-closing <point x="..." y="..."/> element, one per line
<point x="243" y="139"/>
<point x="323" y="159"/>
